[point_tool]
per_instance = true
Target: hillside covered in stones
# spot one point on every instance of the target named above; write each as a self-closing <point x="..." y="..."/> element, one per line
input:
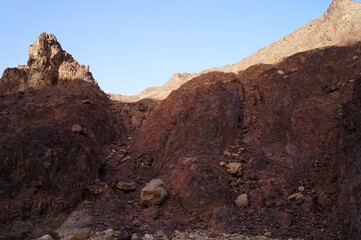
<point x="271" y="151"/>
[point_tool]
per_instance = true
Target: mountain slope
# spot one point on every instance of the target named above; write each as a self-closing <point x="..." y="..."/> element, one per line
<point x="339" y="26"/>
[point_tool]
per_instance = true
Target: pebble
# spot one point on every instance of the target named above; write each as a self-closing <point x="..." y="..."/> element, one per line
<point x="45" y="237"/>
<point x="301" y="188"/>
<point x="227" y="153"/>
<point x="135" y="236"/>
<point x="123" y="235"/>
<point x="148" y="237"/>
<point x="296" y="196"/>
<point x="242" y="200"/>
<point x="235" y="169"/>
<point x="76" y="128"/>
<point x="126" y="186"/>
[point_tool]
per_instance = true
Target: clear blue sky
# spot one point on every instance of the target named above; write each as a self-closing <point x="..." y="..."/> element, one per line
<point x="131" y="45"/>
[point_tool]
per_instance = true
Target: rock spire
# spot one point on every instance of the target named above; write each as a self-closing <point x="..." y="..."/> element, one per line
<point x="48" y="65"/>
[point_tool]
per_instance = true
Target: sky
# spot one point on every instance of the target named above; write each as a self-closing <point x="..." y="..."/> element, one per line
<point x="135" y="44"/>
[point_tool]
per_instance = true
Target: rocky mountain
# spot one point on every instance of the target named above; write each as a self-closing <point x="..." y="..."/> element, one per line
<point x="270" y="151"/>
<point x="339" y="26"/>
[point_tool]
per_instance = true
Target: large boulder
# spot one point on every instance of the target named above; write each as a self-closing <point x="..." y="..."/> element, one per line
<point x="154" y="193"/>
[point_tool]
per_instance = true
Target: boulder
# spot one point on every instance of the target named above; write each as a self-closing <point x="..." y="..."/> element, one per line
<point x="154" y="193"/>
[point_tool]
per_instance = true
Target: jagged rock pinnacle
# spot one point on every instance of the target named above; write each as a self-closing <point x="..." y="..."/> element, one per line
<point x="48" y="65"/>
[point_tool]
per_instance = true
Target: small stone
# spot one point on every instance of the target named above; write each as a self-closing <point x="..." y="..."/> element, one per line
<point x="234" y="182"/>
<point x="227" y="154"/>
<point x="86" y="101"/>
<point x="280" y="72"/>
<point x="268" y="234"/>
<point x="124" y="235"/>
<point x="45" y="237"/>
<point x="222" y="163"/>
<point x="161" y="235"/>
<point x="126" y="186"/>
<point x="108" y="234"/>
<point x="76" y="128"/>
<point x="235" y="169"/>
<point x="355" y="57"/>
<point x="148" y="237"/>
<point x="295" y="196"/>
<point x="242" y="200"/>
<point x="154" y="193"/>
<point x="301" y="188"/>
<point x="135" y="236"/>
<point x="239" y="172"/>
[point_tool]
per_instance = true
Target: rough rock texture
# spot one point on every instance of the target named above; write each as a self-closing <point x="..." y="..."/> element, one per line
<point x="350" y="168"/>
<point x="45" y="167"/>
<point x="196" y="122"/>
<point x="284" y="123"/>
<point x="339" y="26"/>
<point x="48" y="65"/>
<point x="293" y="127"/>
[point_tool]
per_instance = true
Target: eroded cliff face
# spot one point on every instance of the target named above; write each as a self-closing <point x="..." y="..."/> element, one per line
<point x="339" y="26"/>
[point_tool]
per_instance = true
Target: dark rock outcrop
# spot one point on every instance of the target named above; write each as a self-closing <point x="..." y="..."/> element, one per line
<point x="45" y="167"/>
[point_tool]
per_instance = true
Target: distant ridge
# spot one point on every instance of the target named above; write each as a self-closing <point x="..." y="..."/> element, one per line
<point x="340" y="25"/>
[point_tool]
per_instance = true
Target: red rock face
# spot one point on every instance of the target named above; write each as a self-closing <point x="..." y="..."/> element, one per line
<point x="292" y="129"/>
<point x="289" y="119"/>
<point x="349" y="179"/>
<point x="186" y="133"/>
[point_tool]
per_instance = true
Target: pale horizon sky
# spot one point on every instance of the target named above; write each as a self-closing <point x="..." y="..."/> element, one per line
<point x="132" y="45"/>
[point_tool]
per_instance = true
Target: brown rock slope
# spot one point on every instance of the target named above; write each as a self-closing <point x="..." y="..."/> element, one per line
<point x="339" y="26"/>
<point x="293" y="127"/>
<point x="54" y="122"/>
